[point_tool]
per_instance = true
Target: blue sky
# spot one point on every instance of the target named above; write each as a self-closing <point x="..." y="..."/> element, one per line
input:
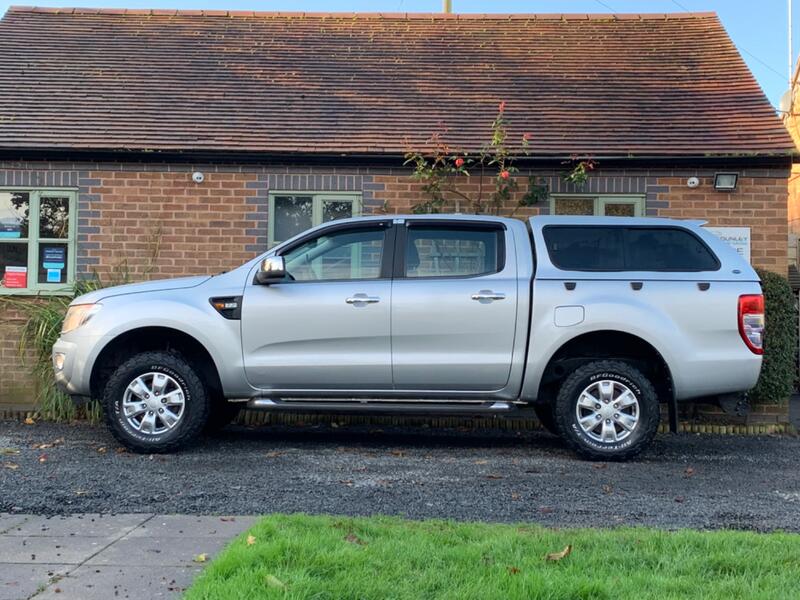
<point x="758" y="27"/>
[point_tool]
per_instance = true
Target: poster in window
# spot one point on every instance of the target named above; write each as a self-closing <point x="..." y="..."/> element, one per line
<point x="16" y="277"/>
<point x="54" y="257"/>
<point x="10" y="229"/>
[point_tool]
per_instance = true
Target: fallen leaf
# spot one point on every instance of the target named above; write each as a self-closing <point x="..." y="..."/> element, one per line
<point x="274" y="454"/>
<point x="201" y="558"/>
<point x="346" y="481"/>
<point x="557" y="556"/>
<point x="494" y="476"/>
<point x="81" y="492"/>
<point x="29" y="421"/>
<point x="607" y="489"/>
<point x="9" y="451"/>
<point x="679" y="499"/>
<point x="11" y="466"/>
<point x="251" y="539"/>
<point x="481" y="462"/>
<point x="513" y="570"/>
<point x="42" y="458"/>
<point x="689" y="472"/>
<point x="120" y="450"/>
<point x="274" y="582"/>
<point x="600" y="466"/>
<point x="545" y="510"/>
<point x="102" y="450"/>
<point x="226" y="519"/>
<point x="400" y="453"/>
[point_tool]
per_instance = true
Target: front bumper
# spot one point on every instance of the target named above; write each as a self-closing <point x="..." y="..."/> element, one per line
<point x="76" y="356"/>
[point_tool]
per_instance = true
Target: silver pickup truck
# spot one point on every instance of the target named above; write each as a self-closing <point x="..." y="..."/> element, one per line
<point x="590" y="322"/>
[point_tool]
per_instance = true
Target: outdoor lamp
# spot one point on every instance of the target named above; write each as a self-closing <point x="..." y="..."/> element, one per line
<point x="725" y="182"/>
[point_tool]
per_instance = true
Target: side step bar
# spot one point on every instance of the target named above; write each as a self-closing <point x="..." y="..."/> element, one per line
<point x="380" y="406"/>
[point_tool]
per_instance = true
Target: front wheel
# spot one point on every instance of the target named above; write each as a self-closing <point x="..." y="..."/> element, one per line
<point x="155" y="402"/>
<point x="607" y="410"/>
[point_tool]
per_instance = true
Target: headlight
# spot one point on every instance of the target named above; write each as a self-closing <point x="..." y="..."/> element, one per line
<point x="77" y="315"/>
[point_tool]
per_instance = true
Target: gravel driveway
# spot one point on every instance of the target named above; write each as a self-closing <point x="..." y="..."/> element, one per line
<point x="682" y="481"/>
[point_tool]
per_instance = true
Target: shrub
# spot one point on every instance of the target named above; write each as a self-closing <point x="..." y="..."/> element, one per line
<point x="776" y="381"/>
<point x="44" y="315"/>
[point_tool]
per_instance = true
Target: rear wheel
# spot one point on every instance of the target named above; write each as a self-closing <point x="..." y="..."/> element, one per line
<point x="607" y="410"/>
<point x="155" y="402"/>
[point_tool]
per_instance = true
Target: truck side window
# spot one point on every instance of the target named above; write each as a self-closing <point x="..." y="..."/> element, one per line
<point x="601" y="248"/>
<point x="667" y="249"/>
<point x="585" y="248"/>
<point x="450" y="251"/>
<point x="347" y="254"/>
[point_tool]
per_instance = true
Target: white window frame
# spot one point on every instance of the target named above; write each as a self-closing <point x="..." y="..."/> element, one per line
<point x="600" y="200"/>
<point x="317" y="201"/>
<point x="34" y="240"/>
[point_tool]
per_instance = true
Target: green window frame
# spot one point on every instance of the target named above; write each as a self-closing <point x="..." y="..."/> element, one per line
<point x="317" y="200"/>
<point x="600" y="202"/>
<point x="35" y="240"/>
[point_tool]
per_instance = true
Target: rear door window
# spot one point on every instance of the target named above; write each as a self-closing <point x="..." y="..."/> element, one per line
<point x="453" y="251"/>
<point x="599" y="248"/>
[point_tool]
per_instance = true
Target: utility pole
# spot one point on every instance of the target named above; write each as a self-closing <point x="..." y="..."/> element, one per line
<point x="447" y="6"/>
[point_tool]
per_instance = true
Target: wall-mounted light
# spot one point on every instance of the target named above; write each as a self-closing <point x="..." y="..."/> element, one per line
<point x="725" y="182"/>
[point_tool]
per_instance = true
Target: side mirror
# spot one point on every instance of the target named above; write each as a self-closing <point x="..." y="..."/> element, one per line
<point x="271" y="270"/>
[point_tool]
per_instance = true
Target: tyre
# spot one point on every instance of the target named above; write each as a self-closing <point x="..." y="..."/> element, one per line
<point x="607" y="410"/>
<point x="155" y="403"/>
<point x="544" y="412"/>
<point x="221" y="414"/>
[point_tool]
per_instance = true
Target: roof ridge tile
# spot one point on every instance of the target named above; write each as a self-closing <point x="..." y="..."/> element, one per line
<point x="364" y="15"/>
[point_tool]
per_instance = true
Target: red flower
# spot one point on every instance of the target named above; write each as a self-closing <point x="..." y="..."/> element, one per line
<point x="504" y="174"/>
<point x="526" y="137"/>
<point x="502" y="106"/>
<point x="459" y="162"/>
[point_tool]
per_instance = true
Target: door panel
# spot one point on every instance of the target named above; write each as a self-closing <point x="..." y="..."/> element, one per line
<point x="329" y="328"/>
<point x="453" y="332"/>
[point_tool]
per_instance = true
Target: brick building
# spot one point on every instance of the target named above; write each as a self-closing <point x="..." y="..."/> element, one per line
<point x="294" y="119"/>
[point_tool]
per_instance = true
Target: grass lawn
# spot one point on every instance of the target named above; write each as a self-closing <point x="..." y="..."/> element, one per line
<point x="301" y="556"/>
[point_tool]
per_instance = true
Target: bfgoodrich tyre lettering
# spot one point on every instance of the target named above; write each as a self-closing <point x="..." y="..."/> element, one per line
<point x="607" y="410"/>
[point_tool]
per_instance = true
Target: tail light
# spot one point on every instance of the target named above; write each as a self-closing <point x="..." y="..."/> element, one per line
<point x="751" y="322"/>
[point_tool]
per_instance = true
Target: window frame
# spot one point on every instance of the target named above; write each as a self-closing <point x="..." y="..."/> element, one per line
<point x="33" y="241"/>
<point x="624" y="229"/>
<point x="401" y="241"/>
<point x="317" y="200"/>
<point x="600" y="200"/>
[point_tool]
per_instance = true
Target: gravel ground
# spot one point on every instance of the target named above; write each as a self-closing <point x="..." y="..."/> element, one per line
<point x="682" y="481"/>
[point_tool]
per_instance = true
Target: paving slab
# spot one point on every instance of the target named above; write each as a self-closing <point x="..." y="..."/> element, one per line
<point x="9" y="521"/>
<point x="187" y="525"/>
<point x="58" y="550"/>
<point x="158" y="551"/>
<point x="18" y="582"/>
<point x="85" y="525"/>
<point x="104" y="583"/>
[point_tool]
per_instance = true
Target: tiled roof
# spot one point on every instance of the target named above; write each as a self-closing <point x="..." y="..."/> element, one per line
<point x="165" y="80"/>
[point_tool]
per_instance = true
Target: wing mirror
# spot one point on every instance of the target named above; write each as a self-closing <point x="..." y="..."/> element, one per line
<point x="271" y="270"/>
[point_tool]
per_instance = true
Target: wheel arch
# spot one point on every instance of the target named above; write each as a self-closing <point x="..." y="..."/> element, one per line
<point x="150" y="338"/>
<point x="606" y="344"/>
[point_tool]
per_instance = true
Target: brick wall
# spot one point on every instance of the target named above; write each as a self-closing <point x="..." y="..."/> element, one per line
<point x="154" y="220"/>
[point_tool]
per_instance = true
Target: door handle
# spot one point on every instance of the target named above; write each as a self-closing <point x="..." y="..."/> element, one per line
<point x="362" y="299"/>
<point x="488" y="295"/>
